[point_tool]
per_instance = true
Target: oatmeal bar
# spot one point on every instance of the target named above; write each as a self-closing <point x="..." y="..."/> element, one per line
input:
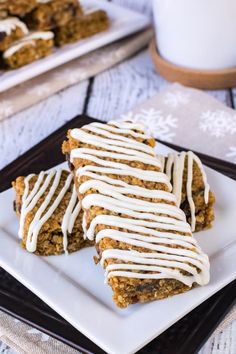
<point x="190" y="186"/>
<point x="20" y="7"/>
<point x="142" y="237"/>
<point x="51" y="14"/>
<point x="11" y="30"/>
<point x="83" y="27"/>
<point x="30" y="48"/>
<point x="50" y="213"/>
<point x="3" y="9"/>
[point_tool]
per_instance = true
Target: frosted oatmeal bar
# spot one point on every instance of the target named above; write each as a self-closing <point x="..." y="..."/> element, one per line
<point x="49" y="212"/>
<point x="35" y="46"/>
<point x="16" y="7"/>
<point x="11" y="30"/>
<point x="190" y="186"/>
<point x="82" y="27"/>
<point x="51" y="14"/>
<point x="142" y="237"/>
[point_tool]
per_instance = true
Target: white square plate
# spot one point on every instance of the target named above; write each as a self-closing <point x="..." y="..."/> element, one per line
<point x="74" y="287"/>
<point x="123" y="23"/>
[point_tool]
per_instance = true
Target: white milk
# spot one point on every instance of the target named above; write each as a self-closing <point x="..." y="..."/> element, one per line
<point x="198" y="34"/>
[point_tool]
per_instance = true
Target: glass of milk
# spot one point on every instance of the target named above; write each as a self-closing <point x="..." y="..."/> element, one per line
<point x="197" y="34"/>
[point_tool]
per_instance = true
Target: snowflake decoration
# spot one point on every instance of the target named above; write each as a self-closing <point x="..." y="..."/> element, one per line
<point x="218" y="123"/>
<point x="156" y="123"/>
<point x="176" y="99"/>
<point x="232" y="153"/>
<point x="40" y="90"/>
<point x="6" y="109"/>
<point x="44" y="337"/>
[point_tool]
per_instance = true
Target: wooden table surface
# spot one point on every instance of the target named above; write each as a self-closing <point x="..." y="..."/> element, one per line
<point x="106" y="95"/>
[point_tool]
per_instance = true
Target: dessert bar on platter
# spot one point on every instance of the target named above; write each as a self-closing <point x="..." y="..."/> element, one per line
<point x="30" y="36"/>
<point x="50" y="213"/>
<point x="142" y="237"/>
<point x="119" y="199"/>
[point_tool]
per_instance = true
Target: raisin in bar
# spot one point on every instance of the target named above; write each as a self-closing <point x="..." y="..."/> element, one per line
<point x="82" y="27"/>
<point x="190" y="186"/>
<point x="35" y="46"/>
<point x="50" y="213"/>
<point x="142" y="237"/>
<point x="11" y="30"/>
<point x="51" y="14"/>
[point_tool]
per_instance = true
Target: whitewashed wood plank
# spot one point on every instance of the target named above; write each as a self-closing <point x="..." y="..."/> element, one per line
<point x="5" y="349"/>
<point x="234" y="97"/>
<point x="119" y="89"/>
<point x="25" y="129"/>
<point x="221" y="95"/>
<point x="222" y="343"/>
<point x="143" y="6"/>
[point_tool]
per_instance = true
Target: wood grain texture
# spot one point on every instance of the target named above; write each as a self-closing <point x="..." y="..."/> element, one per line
<point x="234" y="97"/>
<point x="5" y="349"/>
<point x="25" y="129"/>
<point x="117" y="90"/>
<point x="143" y="6"/>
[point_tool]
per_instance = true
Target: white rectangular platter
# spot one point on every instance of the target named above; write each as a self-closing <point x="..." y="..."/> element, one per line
<point x="74" y="287"/>
<point x="123" y="23"/>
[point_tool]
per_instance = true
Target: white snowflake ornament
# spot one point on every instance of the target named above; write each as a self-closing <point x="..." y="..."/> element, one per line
<point x="176" y="99"/>
<point x="156" y="124"/>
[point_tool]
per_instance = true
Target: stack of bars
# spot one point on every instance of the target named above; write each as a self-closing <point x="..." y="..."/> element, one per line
<point x="119" y="199"/>
<point x="30" y="28"/>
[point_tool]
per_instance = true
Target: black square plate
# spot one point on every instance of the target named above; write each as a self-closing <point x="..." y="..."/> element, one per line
<point x="185" y="336"/>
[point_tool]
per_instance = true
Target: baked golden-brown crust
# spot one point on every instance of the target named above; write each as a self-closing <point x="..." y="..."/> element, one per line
<point x="50" y="237"/>
<point x="203" y="211"/>
<point x="7" y="40"/>
<point x="3" y="10"/>
<point x="126" y="289"/>
<point x="21" y="7"/>
<point x="28" y="53"/>
<point x="55" y="13"/>
<point x="82" y="27"/>
<point x="16" y="7"/>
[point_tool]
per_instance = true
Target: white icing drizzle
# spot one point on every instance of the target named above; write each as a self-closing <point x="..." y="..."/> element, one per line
<point x="174" y="168"/>
<point x="69" y="217"/>
<point x="27" y="40"/>
<point x="157" y="225"/>
<point x="162" y="263"/>
<point x="10" y="24"/>
<point x="43" y="1"/>
<point x="142" y="226"/>
<point x="89" y="10"/>
<point x="29" y="201"/>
